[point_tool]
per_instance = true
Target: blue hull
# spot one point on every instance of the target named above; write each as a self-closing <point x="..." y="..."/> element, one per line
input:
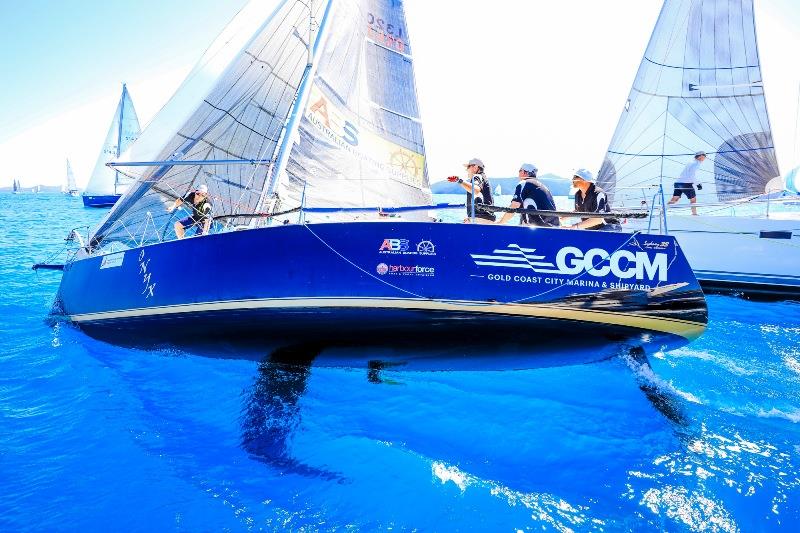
<point x="101" y="200"/>
<point x="385" y="281"/>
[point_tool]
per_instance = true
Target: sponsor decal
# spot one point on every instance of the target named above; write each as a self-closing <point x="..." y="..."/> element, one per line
<point x="147" y="282"/>
<point x="403" y="247"/>
<point x="112" y="260"/>
<point x="340" y="126"/>
<point x="406" y="270"/>
<point x="572" y="261"/>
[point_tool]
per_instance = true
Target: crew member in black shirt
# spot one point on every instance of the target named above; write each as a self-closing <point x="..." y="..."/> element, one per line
<point x="200" y="216"/>
<point x="532" y="194"/>
<point x="477" y="181"/>
<point x="591" y="199"/>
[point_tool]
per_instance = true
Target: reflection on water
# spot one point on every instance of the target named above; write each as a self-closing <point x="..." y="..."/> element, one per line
<point x="271" y="413"/>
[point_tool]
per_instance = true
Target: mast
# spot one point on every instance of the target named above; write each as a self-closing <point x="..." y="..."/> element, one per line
<point x="119" y="133"/>
<point x="300" y="101"/>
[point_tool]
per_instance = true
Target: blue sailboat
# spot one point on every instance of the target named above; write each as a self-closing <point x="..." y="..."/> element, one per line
<point x="106" y="185"/>
<point x="17" y="187"/>
<point x="302" y="123"/>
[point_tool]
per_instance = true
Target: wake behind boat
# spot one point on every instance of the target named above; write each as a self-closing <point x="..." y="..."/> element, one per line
<point x="699" y="90"/>
<point x="302" y="125"/>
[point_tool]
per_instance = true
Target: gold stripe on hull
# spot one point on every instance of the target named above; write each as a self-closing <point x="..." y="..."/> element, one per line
<point x="689" y="330"/>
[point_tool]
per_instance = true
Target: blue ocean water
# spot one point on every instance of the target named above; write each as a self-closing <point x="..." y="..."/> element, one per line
<point x="99" y="437"/>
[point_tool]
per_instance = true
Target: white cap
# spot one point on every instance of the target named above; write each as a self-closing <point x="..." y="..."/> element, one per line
<point x="584" y="174"/>
<point x="474" y="161"/>
<point x="529" y="167"/>
<point x="202" y="188"/>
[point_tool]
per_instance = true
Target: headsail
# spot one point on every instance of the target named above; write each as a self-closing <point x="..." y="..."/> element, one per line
<point x="122" y="132"/>
<point x="698" y="88"/>
<point x="229" y="126"/>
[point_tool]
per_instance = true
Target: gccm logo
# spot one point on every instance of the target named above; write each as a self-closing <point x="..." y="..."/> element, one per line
<point x="623" y="264"/>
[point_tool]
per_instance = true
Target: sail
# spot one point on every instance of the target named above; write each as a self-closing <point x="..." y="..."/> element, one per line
<point x="122" y="132"/>
<point x="71" y="185"/>
<point x="246" y="122"/>
<point x="698" y="88"/>
<point x="359" y="142"/>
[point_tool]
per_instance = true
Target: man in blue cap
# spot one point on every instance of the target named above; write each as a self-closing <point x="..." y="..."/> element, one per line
<point x="532" y="194"/>
<point x="591" y="199"/>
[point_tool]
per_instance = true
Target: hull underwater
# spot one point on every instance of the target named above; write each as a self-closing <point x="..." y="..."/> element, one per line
<point x="389" y="282"/>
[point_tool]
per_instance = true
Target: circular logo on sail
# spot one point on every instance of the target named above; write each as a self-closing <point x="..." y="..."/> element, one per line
<point x="382" y="268"/>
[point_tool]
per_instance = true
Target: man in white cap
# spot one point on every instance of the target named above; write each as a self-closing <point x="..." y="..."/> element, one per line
<point x="476" y="179"/>
<point x="200" y="217"/>
<point x="686" y="182"/>
<point x="591" y="199"/>
<point x="532" y="194"/>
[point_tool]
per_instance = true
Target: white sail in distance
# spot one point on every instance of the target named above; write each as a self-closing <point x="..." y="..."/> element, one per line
<point x="122" y="132"/>
<point x="698" y="88"/>
<point x="246" y="121"/>
<point x="71" y="186"/>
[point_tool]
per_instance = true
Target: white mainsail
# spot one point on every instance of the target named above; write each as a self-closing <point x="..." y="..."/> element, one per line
<point x="312" y="102"/>
<point x="122" y="132"/>
<point x="698" y="88"/>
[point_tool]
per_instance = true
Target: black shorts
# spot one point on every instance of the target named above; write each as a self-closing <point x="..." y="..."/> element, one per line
<point x="684" y="188"/>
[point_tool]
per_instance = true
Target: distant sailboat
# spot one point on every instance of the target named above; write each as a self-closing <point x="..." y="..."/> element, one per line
<point x="699" y="88"/>
<point x="106" y="185"/>
<point x="71" y="188"/>
<point x="17" y="187"/>
<point x="498" y="190"/>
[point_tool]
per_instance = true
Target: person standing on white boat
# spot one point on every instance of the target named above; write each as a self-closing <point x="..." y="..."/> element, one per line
<point x="477" y="181"/>
<point x="532" y="194"/>
<point x="200" y="216"/>
<point x="687" y="180"/>
<point x="591" y="199"/>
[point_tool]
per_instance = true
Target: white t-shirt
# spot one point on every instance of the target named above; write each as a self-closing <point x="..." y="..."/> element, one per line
<point x="688" y="175"/>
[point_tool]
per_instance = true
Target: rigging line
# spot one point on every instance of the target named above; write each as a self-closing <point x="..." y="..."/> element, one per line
<point x="637" y="154"/>
<point x="332" y="249"/>
<point x="622" y="177"/>
<point x="577" y="276"/>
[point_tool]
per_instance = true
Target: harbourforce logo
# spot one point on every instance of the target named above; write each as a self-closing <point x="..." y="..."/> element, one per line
<point x="405" y="270"/>
<point x="402" y="246"/>
<point x="622" y="264"/>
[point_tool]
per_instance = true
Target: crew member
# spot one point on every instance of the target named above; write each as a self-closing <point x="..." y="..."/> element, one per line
<point x="687" y="180"/>
<point x="477" y="181"/>
<point x="200" y="217"/>
<point x="532" y="194"/>
<point x="591" y="199"/>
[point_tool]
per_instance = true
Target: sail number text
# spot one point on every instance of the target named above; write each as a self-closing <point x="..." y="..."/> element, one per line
<point x="385" y="33"/>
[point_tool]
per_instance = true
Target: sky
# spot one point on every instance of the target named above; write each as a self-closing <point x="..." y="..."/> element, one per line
<point x="508" y="81"/>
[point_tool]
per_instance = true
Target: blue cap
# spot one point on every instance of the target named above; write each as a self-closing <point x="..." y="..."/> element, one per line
<point x="529" y="167"/>
<point x="584" y="174"/>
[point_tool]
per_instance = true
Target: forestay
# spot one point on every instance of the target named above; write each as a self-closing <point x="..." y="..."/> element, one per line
<point x="122" y="132"/>
<point x="296" y="103"/>
<point x="698" y="88"/>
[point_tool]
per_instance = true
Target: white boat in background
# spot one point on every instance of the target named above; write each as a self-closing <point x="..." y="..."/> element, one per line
<point x="71" y="188"/>
<point x="106" y="185"/>
<point x="699" y="88"/>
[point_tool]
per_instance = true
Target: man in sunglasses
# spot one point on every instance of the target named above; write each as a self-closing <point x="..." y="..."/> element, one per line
<point x="591" y="199"/>
<point x="200" y="217"/>
<point x="477" y="181"/>
<point x="532" y="194"/>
